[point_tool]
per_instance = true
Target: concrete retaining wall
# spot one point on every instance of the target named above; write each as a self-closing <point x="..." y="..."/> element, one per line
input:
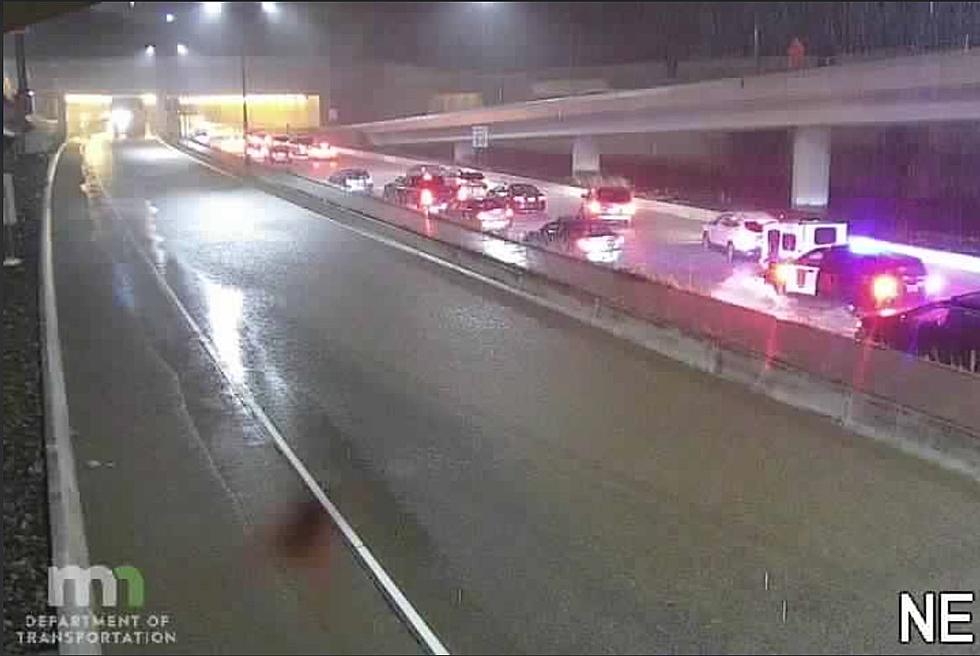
<point x="916" y="405"/>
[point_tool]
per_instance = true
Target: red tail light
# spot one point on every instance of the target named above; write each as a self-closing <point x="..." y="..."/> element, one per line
<point x="884" y="288"/>
<point x="426" y="198"/>
<point x="595" y="207"/>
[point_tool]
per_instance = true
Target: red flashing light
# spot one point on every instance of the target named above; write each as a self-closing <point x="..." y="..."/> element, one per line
<point x="884" y="288"/>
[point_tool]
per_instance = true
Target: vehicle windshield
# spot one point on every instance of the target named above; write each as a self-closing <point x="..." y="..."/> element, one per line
<point x="464" y="327"/>
<point x="524" y="190"/>
<point x="595" y="229"/>
<point x="426" y="181"/>
<point x="614" y="195"/>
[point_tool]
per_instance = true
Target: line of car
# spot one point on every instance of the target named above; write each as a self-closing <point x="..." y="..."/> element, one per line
<point x="284" y="148"/>
<point x="892" y="295"/>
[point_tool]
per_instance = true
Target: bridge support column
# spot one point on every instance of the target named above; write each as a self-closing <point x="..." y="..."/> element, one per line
<point x="585" y="156"/>
<point x="811" y="167"/>
<point x="463" y="152"/>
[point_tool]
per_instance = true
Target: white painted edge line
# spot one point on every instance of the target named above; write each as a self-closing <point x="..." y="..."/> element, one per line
<point x="389" y="588"/>
<point x="67" y="524"/>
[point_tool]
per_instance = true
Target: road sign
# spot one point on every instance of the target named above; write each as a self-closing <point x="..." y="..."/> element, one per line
<point x="481" y="136"/>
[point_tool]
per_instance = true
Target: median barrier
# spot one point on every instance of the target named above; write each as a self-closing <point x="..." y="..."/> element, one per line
<point x="916" y="405"/>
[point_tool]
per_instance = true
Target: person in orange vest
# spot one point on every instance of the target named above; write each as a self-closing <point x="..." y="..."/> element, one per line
<point x="796" y="53"/>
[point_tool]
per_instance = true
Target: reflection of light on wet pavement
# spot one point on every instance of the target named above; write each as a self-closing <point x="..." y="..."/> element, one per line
<point x="224" y="310"/>
<point x="227" y="217"/>
<point x="955" y="261"/>
<point x="505" y="251"/>
<point x="153" y="237"/>
<point x="749" y="290"/>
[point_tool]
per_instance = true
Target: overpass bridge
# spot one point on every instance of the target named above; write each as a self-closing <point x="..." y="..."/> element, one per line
<point x="907" y="90"/>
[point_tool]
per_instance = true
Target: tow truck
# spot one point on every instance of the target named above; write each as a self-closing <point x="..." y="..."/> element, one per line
<point x="786" y="240"/>
<point x="864" y="281"/>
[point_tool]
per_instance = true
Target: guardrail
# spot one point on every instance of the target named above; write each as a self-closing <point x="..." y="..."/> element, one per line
<point x="917" y="405"/>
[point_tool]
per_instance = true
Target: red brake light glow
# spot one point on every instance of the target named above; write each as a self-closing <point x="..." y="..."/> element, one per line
<point x="595" y="207"/>
<point x="425" y="198"/>
<point x="884" y="288"/>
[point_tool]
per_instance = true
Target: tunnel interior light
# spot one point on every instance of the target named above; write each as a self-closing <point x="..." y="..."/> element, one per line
<point x="170" y="18"/>
<point x="150" y="50"/>
<point x="87" y="99"/>
<point x="149" y="99"/>
<point x="121" y="118"/>
<point x="232" y="99"/>
<point x="212" y="8"/>
<point x="181" y="49"/>
<point x="270" y="7"/>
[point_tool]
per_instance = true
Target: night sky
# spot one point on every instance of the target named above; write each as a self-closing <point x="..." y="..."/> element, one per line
<point x="515" y="35"/>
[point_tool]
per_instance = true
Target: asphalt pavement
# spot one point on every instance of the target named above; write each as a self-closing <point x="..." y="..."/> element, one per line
<point x="178" y="479"/>
<point x="532" y="484"/>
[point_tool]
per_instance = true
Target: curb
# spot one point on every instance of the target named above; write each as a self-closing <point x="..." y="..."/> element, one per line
<point x="67" y="526"/>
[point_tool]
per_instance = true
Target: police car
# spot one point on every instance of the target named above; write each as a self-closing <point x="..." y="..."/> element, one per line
<point x="863" y="280"/>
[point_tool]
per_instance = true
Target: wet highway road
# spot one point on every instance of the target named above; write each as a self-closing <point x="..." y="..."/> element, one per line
<point x="535" y="485"/>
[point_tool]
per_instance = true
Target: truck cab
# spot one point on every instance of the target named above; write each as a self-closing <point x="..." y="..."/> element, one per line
<point x="788" y="240"/>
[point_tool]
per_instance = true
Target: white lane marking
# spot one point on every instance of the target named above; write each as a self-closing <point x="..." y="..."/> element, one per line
<point x="390" y="589"/>
<point x="69" y="545"/>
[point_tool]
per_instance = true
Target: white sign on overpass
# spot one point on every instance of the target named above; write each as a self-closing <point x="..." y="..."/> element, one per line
<point x="481" y="136"/>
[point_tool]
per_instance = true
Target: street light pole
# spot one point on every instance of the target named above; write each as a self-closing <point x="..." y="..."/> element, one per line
<point x="241" y="59"/>
<point x="244" y="104"/>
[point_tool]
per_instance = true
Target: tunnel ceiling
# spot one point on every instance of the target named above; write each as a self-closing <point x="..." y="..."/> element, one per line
<point x="18" y="15"/>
